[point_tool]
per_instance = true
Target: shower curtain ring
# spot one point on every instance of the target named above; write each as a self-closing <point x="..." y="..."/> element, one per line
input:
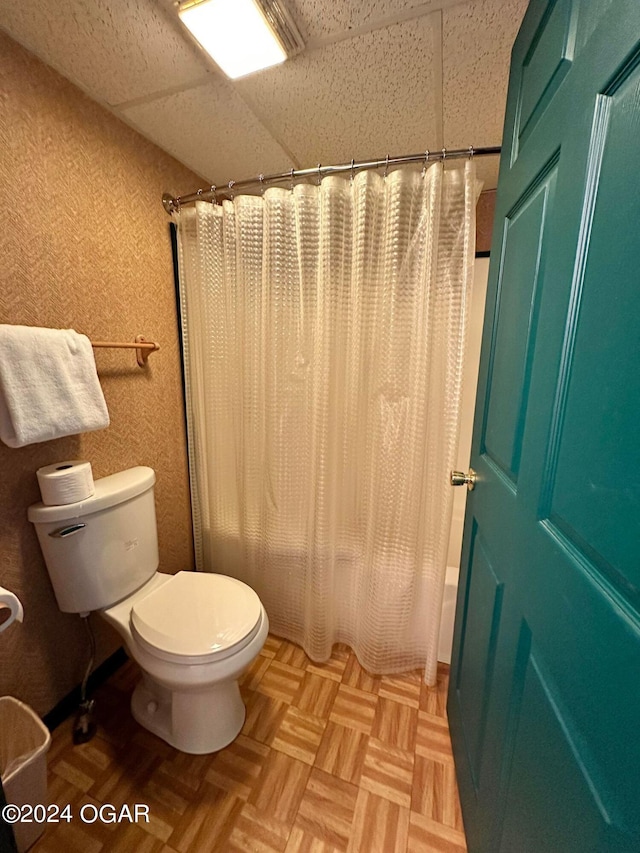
<point x="386" y="166"/>
<point x="261" y="179"/>
<point x="230" y="185"/>
<point x="426" y="162"/>
<point x="471" y="152"/>
<point x="353" y="163"/>
<point x="319" y="174"/>
<point x="212" y="191"/>
<point x="291" y="179"/>
<point x="444" y="154"/>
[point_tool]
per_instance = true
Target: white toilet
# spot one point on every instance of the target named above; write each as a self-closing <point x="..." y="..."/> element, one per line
<point x="193" y="634"/>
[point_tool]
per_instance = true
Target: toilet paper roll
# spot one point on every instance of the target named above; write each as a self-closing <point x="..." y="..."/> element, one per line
<point x="11" y="602"/>
<point x="65" y="482"/>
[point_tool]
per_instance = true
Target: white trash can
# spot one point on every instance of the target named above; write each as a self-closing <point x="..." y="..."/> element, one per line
<point x="24" y="741"/>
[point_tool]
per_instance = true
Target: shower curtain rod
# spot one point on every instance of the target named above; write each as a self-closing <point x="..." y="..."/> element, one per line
<point x="172" y="203"/>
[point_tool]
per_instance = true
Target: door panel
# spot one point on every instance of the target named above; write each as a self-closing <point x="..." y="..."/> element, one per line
<point x="483" y="610"/>
<point x="599" y="408"/>
<point x="545" y="686"/>
<point x="545" y="65"/>
<point x="512" y="346"/>
<point x="537" y="819"/>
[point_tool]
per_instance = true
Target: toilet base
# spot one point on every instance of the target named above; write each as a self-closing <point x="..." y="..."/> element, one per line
<point x="197" y="722"/>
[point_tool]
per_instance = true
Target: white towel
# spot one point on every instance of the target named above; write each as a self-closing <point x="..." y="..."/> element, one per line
<point x="48" y="385"/>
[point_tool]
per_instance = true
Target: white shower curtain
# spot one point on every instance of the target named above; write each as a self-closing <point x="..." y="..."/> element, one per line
<point x="323" y="333"/>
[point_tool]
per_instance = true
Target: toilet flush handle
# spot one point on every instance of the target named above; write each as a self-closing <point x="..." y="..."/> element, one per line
<point x="62" y="532"/>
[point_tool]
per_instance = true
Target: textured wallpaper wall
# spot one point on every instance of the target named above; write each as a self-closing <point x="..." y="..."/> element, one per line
<point x="84" y="244"/>
<point x="484" y="220"/>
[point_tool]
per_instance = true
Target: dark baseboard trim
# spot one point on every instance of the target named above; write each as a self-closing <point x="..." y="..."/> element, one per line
<point x="483" y="254"/>
<point x="69" y="705"/>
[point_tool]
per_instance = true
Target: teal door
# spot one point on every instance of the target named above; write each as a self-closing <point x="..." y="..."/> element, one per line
<point x="544" y="701"/>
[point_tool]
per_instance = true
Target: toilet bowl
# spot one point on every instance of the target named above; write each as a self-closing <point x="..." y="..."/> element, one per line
<point x="192" y="634"/>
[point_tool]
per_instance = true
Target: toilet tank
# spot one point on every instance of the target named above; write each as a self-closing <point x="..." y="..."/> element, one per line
<point x="101" y="549"/>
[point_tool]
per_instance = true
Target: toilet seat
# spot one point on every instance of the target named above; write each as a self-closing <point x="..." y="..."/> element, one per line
<point x="197" y="617"/>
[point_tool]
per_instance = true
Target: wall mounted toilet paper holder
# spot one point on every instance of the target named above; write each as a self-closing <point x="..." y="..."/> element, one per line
<point x="10" y="602"/>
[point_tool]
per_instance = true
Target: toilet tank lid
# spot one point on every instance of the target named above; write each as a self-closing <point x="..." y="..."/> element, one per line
<point x="111" y="490"/>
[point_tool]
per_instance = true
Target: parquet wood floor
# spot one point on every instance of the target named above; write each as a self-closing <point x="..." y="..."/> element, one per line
<point x="330" y="760"/>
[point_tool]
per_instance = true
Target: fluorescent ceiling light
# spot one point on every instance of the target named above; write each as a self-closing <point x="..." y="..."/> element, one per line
<point x="234" y="33"/>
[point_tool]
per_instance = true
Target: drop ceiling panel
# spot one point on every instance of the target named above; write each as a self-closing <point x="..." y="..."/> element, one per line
<point x="320" y="19"/>
<point x="210" y="130"/>
<point x="116" y="50"/>
<point x="476" y="49"/>
<point x="328" y="20"/>
<point x="360" y="98"/>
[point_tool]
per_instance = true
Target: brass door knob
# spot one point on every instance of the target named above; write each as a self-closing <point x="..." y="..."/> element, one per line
<point x="459" y="478"/>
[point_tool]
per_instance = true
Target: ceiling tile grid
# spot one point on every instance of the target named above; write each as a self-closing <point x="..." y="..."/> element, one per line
<point x="370" y="95"/>
<point x="385" y="76"/>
